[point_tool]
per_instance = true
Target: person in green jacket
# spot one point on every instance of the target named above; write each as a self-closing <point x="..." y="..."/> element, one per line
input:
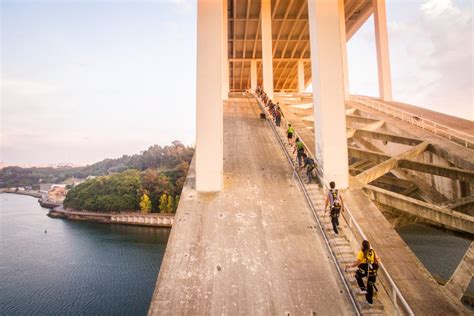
<point x="299" y="149"/>
<point x="290" y="132"/>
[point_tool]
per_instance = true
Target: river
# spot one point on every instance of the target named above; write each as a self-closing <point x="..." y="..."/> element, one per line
<point x="439" y="251"/>
<point x="90" y="268"/>
<point x="75" y="267"/>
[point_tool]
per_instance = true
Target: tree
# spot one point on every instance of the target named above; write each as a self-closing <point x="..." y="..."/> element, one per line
<point x="145" y="204"/>
<point x="170" y="206"/>
<point x="176" y="203"/>
<point x="163" y="203"/>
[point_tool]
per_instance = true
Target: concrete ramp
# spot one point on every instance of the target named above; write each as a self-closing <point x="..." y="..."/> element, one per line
<point x="250" y="249"/>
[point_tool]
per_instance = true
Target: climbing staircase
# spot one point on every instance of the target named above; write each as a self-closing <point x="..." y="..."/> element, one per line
<point x="340" y="244"/>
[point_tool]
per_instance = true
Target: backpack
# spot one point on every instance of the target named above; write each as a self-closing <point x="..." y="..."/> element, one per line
<point x="372" y="267"/>
<point x="334" y="199"/>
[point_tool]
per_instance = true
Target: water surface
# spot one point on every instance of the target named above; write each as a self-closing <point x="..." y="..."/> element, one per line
<point x="76" y="267"/>
<point x="439" y="251"/>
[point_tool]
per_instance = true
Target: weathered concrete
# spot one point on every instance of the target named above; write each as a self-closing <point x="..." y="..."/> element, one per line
<point x="367" y="154"/>
<point x="443" y="171"/>
<point x="247" y="250"/>
<point x="467" y="200"/>
<point x="384" y="167"/>
<point x="387" y="137"/>
<point x="394" y="181"/>
<point x="373" y="126"/>
<point x="457" y="123"/>
<point x="462" y="276"/>
<point x="441" y="216"/>
<point x="360" y="119"/>
<point x="420" y="289"/>
<point x="408" y="272"/>
<point x="454" y="153"/>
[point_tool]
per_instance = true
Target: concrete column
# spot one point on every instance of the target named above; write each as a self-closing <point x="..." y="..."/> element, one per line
<point x="253" y="74"/>
<point x="381" y="41"/>
<point x="327" y="71"/>
<point x="209" y="109"/>
<point x="225" y="52"/>
<point x="267" y="57"/>
<point x="345" y="66"/>
<point x="300" y="76"/>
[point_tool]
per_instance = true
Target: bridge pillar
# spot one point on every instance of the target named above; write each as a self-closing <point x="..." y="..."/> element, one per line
<point x="301" y="86"/>
<point x="328" y="86"/>
<point x="345" y="66"/>
<point x="253" y="74"/>
<point x="267" y="54"/>
<point x="209" y="107"/>
<point x="381" y="41"/>
<point x="225" y="52"/>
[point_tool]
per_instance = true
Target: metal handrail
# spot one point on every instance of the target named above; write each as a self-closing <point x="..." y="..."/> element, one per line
<point x="438" y="129"/>
<point x="395" y="291"/>
<point x="311" y="206"/>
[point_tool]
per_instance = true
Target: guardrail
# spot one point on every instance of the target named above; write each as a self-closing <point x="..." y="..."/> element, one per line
<point x="394" y="292"/>
<point x="311" y="206"/>
<point x="451" y="134"/>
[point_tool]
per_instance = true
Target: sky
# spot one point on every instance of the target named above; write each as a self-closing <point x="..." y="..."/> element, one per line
<point x="86" y="80"/>
<point x="431" y="55"/>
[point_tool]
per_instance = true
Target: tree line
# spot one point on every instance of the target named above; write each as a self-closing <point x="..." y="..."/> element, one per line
<point x="155" y="157"/>
<point x="153" y="186"/>
<point x="130" y="191"/>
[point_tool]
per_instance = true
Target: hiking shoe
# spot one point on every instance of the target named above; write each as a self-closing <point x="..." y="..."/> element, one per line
<point x="362" y="291"/>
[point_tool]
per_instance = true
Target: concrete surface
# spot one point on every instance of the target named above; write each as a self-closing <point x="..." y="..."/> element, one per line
<point x="250" y="249"/>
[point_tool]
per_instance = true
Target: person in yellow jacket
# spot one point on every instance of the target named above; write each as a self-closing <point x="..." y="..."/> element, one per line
<point x="367" y="262"/>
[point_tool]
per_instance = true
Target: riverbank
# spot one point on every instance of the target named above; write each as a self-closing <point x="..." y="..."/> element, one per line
<point x="35" y="194"/>
<point x="136" y="219"/>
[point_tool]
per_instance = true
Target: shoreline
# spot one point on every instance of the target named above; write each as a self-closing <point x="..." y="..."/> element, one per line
<point x="135" y="219"/>
<point x="28" y="193"/>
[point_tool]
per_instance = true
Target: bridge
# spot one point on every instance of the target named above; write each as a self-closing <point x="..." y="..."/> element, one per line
<point x="250" y="236"/>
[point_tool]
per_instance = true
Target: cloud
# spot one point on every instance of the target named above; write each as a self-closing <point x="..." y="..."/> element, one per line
<point x="431" y="57"/>
<point x="439" y="8"/>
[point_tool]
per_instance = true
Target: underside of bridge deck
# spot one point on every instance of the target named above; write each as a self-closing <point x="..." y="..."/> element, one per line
<point x="290" y="40"/>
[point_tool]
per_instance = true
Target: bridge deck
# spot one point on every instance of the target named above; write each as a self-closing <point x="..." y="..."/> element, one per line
<point x="248" y="249"/>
